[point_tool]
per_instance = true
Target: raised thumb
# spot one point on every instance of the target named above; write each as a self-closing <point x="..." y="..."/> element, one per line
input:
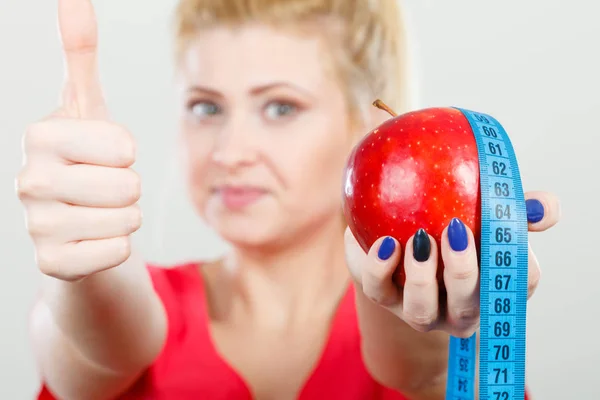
<point x="82" y="94"/>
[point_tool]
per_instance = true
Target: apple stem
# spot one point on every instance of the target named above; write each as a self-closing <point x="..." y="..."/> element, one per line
<point x="382" y="106"/>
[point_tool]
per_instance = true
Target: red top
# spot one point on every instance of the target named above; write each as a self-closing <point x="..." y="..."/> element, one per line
<point x="190" y="368"/>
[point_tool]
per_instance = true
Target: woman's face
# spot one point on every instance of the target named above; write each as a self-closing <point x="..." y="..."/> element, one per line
<point x="265" y="131"/>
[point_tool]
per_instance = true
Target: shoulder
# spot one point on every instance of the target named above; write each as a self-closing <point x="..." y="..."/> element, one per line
<point x="181" y="290"/>
<point x="174" y="279"/>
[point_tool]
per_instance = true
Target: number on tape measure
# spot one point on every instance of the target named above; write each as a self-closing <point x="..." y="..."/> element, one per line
<point x="503" y="276"/>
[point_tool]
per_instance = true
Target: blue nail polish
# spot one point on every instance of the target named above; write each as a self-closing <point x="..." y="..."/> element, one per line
<point x="388" y="245"/>
<point x="535" y="210"/>
<point x="457" y="235"/>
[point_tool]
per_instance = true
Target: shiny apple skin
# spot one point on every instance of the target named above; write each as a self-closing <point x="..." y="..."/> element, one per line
<point x="416" y="170"/>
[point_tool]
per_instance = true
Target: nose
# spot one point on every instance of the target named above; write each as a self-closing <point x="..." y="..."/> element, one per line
<point x="234" y="147"/>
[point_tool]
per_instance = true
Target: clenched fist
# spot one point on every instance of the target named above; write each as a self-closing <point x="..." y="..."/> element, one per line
<point x="76" y="183"/>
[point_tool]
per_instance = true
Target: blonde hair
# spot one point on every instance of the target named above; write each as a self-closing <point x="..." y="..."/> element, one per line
<point x="373" y="55"/>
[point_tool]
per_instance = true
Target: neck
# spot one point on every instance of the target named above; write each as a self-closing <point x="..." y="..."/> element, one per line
<point x="295" y="283"/>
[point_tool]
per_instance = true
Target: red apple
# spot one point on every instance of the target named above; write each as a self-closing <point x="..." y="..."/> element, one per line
<point x="416" y="170"/>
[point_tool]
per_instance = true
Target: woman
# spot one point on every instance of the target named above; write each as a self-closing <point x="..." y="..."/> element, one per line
<point x="295" y="310"/>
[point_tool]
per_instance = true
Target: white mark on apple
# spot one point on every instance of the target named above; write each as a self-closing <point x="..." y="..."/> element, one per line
<point x="467" y="178"/>
<point x="348" y="185"/>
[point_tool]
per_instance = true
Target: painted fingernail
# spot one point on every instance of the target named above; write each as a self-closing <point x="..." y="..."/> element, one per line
<point x="535" y="210"/>
<point x="386" y="249"/>
<point x="457" y="235"/>
<point x="421" y="246"/>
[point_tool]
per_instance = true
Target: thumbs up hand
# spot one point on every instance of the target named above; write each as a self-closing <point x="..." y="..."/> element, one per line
<point x="76" y="184"/>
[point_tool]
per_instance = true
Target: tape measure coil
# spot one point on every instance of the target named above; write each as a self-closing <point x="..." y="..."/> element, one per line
<point x="503" y="276"/>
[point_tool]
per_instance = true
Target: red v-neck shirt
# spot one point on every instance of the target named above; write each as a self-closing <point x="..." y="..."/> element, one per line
<point x="190" y="367"/>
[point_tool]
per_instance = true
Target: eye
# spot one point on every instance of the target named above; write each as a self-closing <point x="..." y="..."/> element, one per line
<point x="279" y="109"/>
<point x="204" y="109"/>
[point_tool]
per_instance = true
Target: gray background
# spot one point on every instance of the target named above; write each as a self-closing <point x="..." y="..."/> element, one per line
<point x="533" y="64"/>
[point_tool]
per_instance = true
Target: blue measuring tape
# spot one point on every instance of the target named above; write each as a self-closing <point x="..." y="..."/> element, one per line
<point x="503" y="276"/>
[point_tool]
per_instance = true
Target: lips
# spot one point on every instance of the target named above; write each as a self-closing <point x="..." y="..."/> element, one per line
<point x="238" y="197"/>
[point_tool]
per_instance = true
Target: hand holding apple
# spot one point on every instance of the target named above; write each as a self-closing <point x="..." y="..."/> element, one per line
<point x="411" y="200"/>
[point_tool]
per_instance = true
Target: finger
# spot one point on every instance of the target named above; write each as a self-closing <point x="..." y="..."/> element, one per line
<point x="420" y="300"/>
<point x="82" y="185"/>
<point x="355" y="256"/>
<point x="543" y="210"/>
<point x="79" y="33"/>
<point x="534" y="272"/>
<point x="65" y="223"/>
<point x="74" y="261"/>
<point x="378" y="269"/>
<point x="461" y="278"/>
<point x="82" y="141"/>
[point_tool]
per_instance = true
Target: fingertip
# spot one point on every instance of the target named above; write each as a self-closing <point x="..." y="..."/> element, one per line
<point x="535" y="210"/>
<point x="386" y="248"/>
<point x="422" y="245"/>
<point x="543" y="210"/>
<point x="77" y="25"/>
<point x="458" y="235"/>
<point x="82" y="92"/>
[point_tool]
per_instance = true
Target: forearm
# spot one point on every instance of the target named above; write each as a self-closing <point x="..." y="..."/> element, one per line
<point x="114" y="319"/>
<point x="400" y="357"/>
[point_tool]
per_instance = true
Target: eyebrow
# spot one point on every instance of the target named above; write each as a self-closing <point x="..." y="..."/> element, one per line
<point x="256" y="90"/>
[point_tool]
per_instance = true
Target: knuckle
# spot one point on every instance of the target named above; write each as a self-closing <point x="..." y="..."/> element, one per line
<point x="36" y="136"/>
<point x="47" y="260"/>
<point x="132" y="186"/>
<point x="377" y="296"/>
<point x="422" y="321"/>
<point x="38" y="222"/>
<point x="135" y="219"/>
<point x="30" y="184"/>
<point x="464" y="333"/>
<point x="462" y="273"/>
<point x="378" y="273"/>
<point x="466" y="316"/>
<point x="421" y="282"/>
<point x="127" y="145"/>
<point x="122" y="249"/>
